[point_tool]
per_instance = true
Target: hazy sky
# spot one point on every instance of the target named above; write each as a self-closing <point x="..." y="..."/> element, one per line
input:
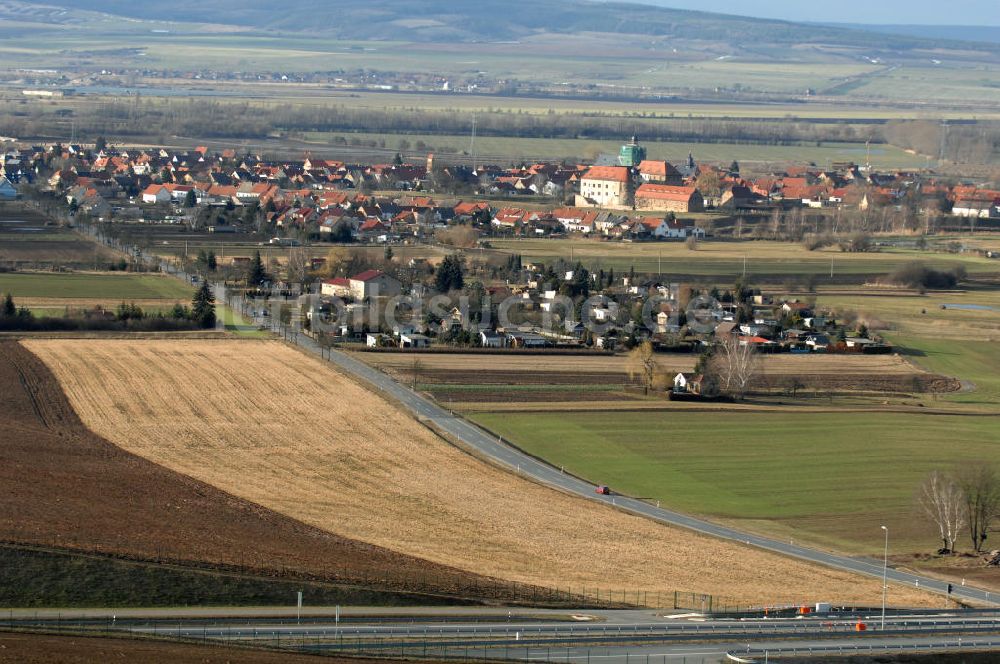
<point x="933" y="12"/>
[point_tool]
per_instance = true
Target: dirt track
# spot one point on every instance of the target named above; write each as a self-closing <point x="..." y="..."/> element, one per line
<point x="274" y="426"/>
<point x="65" y="486"/>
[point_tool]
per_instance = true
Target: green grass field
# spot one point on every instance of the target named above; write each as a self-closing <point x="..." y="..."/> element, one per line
<point x="238" y="325"/>
<point x="726" y="258"/>
<point x="831" y="478"/>
<point x="93" y="286"/>
<point x="956" y="334"/>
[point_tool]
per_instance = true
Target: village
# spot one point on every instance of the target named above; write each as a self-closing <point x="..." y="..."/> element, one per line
<point x="379" y="302"/>
<point x="628" y="198"/>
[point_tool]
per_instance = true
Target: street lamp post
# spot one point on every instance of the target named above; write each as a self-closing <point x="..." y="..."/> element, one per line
<point x="885" y="568"/>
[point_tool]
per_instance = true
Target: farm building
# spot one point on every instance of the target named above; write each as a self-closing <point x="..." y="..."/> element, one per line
<point x="660" y="172"/>
<point x="526" y="340"/>
<point x="667" y="198"/>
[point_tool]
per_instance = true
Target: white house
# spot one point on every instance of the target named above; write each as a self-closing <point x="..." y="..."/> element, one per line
<point x="414" y="341"/>
<point x="972" y="208"/>
<point x="689" y="383"/>
<point x="156" y="193"/>
<point x="491" y="339"/>
<point x="378" y="340"/>
<point x="337" y="287"/>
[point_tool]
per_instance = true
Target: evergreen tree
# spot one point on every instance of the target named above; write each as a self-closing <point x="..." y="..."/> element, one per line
<point x="449" y="274"/>
<point x="190" y="200"/>
<point x="211" y="262"/>
<point x="257" y="275"/>
<point x="203" y="306"/>
<point x="9" y="309"/>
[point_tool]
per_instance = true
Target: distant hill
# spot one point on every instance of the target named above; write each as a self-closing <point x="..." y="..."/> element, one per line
<point x="973" y="33"/>
<point x="487" y="20"/>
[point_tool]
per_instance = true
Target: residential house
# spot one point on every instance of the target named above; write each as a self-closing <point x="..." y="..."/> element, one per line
<point x="413" y="340"/>
<point x="336" y="287"/>
<point x="156" y="193"/>
<point x="491" y="339"/>
<point x="688" y="383"/>
<point x="373" y="283"/>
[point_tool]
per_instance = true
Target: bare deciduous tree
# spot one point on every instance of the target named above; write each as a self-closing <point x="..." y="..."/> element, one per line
<point x="981" y="493"/>
<point x="641" y="364"/>
<point x="942" y="499"/>
<point x="736" y="365"/>
<point x="298" y="265"/>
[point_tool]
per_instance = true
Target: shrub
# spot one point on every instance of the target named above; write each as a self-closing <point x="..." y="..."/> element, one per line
<point x="918" y="275"/>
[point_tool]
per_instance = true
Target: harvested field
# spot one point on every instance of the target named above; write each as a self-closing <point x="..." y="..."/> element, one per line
<point x="51" y="649"/>
<point x="271" y="425"/>
<point x="28" y="239"/>
<point x="66" y="487"/>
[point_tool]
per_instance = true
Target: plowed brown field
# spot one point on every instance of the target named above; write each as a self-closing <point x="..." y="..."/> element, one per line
<point x="273" y="426"/>
<point x="51" y="649"/>
<point x="64" y="486"/>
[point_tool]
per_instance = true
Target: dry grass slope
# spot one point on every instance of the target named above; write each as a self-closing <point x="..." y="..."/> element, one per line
<point x="271" y="425"/>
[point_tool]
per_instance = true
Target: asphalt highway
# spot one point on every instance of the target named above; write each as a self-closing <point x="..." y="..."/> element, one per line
<point x="500" y="452"/>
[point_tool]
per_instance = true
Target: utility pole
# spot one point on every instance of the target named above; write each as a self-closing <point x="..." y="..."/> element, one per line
<point x="472" y="144"/>
<point x="885" y="568"/>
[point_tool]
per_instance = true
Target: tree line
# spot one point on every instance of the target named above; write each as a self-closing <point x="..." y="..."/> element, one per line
<point x="214" y="118"/>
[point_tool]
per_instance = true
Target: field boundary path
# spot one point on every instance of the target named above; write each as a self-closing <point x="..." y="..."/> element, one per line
<point x="525" y="465"/>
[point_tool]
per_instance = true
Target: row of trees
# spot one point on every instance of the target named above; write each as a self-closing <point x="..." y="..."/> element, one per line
<point x="967" y="499"/>
<point x="231" y="119"/>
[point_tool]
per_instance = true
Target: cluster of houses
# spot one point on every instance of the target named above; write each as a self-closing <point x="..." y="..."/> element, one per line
<point x="632" y="198"/>
<point x="604" y="321"/>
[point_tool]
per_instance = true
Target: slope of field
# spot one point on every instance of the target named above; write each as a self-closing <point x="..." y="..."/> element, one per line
<point x="52" y="649"/>
<point x="272" y="425"/>
<point x="63" y="486"/>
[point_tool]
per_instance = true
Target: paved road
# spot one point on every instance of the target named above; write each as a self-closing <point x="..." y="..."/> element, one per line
<point x="499" y="451"/>
<point x="523" y="464"/>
